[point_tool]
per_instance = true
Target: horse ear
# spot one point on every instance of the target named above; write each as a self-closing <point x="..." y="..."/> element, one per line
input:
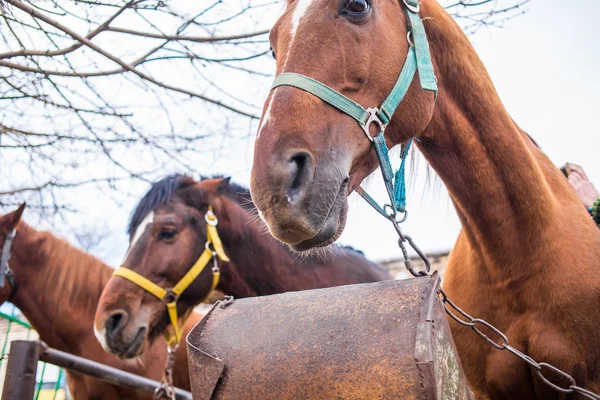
<point x="222" y="186"/>
<point x="205" y="191"/>
<point x="11" y="220"/>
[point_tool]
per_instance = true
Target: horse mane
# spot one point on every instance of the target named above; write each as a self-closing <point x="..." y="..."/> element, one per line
<point x="73" y="277"/>
<point x="161" y="192"/>
<point x="350" y="248"/>
<point x="238" y="193"/>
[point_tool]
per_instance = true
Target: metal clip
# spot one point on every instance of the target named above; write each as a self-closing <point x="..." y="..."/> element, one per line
<point x="226" y="302"/>
<point x="373" y="118"/>
<point x="215" y="268"/>
<point x="415" y="8"/>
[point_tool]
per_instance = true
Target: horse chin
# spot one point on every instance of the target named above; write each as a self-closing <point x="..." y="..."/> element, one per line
<point x="331" y="230"/>
<point x="136" y="347"/>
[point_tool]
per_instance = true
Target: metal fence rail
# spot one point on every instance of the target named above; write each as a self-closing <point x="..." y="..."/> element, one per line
<point x="19" y="383"/>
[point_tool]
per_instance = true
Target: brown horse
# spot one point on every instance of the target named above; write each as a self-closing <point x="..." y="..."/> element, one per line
<point x="165" y="245"/>
<point x="57" y="288"/>
<point x="528" y="254"/>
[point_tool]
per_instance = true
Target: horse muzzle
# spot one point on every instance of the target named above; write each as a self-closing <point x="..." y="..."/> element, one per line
<point x="303" y="205"/>
<point x="118" y="338"/>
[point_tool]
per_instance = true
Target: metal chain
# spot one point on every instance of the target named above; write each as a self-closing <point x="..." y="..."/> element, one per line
<point x="166" y="390"/>
<point x="476" y="323"/>
<point x="473" y="323"/>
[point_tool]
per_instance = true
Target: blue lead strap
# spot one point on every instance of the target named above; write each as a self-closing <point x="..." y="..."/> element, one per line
<point x="400" y="182"/>
<point x="384" y="162"/>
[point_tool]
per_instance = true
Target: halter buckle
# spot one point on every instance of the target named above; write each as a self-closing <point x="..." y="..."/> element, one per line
<point x="211" y="218"/>
<point x="373" y="118"/>
<point x="412" y="6"/>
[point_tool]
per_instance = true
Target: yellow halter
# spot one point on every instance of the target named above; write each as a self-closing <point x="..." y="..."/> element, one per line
<point x="171" y="295"/>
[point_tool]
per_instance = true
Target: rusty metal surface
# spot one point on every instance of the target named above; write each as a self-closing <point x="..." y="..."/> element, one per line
<point x="19" y="382"/>
<point x="385" y="340"/>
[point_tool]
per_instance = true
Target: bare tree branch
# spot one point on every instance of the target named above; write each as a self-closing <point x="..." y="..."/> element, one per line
<point x="98" y="97"/>
<point x="126" y="67"/>
<point x="196" y="39"/>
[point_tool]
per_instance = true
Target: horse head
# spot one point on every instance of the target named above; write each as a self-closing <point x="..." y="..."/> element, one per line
<point x="310" y="156"/>
<point x="169" y="232"/>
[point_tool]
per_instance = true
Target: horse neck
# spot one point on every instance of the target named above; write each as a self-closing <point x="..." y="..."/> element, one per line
<point x="60" y="310"/>
<point x="507" y="193"/>
<point x="260" y="265"/>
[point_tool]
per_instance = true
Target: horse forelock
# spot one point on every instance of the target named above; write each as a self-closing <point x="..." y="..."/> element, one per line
<point x="163" y="191"/>
<point x="160" y="193"/>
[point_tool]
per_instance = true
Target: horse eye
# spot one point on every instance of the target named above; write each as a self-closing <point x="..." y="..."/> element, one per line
<point x="357" y="6"/>
<point x="166" y="234"/>
<point x="273" y="53"/>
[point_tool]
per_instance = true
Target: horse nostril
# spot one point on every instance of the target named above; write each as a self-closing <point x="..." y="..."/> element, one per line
<point x="300" y="168"/>
<point x="115" y="323"/>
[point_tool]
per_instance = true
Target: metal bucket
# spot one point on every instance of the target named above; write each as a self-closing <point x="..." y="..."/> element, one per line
<point x="385" y="340"/>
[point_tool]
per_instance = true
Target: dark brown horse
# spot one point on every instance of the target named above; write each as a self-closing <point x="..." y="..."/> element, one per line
<point x="57" y="288"/>
<point x="168" y="232"/>
<point x="528" y="255"/>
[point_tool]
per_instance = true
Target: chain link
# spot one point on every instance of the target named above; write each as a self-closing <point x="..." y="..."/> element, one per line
<point x="463" y="318"/>
<point x="166" y="390"/>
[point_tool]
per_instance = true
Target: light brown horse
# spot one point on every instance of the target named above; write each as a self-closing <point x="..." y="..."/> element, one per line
<point x="528" y="255"/>
<point x="165" y="245"/>
<point x="57" y="287"/>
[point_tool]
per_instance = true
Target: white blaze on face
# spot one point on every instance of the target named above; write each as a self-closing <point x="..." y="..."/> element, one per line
<point x="301" y="8"/>
<point x="265" y="117"/>
<point x="101" y="336"/>
<point x="140" y="230"/>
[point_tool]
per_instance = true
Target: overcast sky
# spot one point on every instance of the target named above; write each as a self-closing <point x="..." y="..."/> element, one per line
<point x="545" y="67"/>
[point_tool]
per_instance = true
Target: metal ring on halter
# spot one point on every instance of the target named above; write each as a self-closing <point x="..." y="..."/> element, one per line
<point x="411" y="7"/>
<point x="373" y="118"/>
<point x="409" y="38"/>
<point x="211" y="218"/>
<point x="395" y="213"/>
<point x="207" y="246"/>
<point x="389" y="210"/>
<point x="401" y="220"/>
<point x="170" y="297"/>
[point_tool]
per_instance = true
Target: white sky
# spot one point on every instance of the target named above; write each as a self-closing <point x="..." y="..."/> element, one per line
<point x="545" y="67"/>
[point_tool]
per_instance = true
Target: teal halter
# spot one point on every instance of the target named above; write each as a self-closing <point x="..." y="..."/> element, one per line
<point x="418" y="58"/>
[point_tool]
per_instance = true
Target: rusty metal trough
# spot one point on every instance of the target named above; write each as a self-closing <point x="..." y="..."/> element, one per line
<point x="386" y="340"/>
